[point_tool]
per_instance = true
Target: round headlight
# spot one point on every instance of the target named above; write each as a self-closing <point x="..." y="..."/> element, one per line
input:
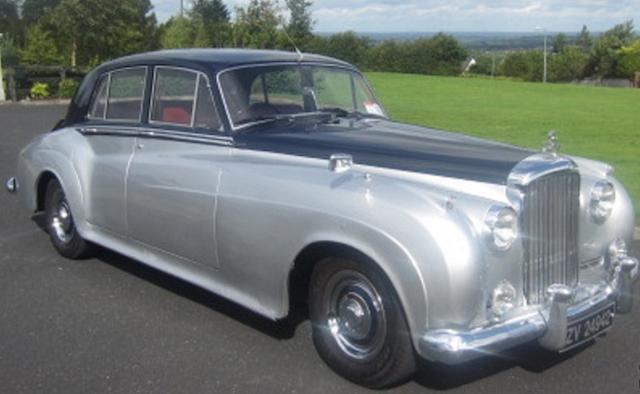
<point x="603" y="196"/>
<point x="502" y="223"/>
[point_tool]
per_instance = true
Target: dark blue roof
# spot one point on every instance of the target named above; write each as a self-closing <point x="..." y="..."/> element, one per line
<point x="219" y="59"/>
<point x="209" y="61"/>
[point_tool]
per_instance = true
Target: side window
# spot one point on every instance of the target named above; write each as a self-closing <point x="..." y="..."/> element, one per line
<point x="126" y="91"/>
<point x="99" y="105"/>
<point x="173" y="96"/>
<point x="206" y="115"/>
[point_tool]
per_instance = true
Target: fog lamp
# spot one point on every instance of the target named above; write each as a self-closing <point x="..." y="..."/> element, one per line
<point x="503" y="298"/>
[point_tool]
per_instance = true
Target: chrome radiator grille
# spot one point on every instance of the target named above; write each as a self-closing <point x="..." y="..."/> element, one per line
<point x="549" y="227"/>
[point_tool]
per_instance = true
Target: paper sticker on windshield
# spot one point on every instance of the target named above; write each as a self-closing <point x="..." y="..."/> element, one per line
<point x="373" y="108"/>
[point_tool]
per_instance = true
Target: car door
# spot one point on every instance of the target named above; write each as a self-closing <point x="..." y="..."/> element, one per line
<point x="176" y="168"/>
<point x="111" y="132"/>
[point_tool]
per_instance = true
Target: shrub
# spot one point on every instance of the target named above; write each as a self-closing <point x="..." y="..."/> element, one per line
<point x="67" y="88"/>
<point x="39" y="91"/>
<point x="629" y="60"/>
<point x="568" y="65"/>
<point x="527" y="65"/>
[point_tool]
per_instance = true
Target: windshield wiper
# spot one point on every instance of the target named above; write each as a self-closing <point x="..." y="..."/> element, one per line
<point x="288" y="119"/>
<point x="343" y="113"/>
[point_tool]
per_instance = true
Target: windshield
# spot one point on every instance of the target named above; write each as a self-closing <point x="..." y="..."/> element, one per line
<point x="261" y="93"/>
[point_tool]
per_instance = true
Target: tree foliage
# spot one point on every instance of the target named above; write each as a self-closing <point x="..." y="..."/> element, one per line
<point x="9" y="19"/>
<point x="256" y="25"/>
<point x="301" y="22"/>
<point x="560" y="42"/>
<point x="567" y="65"/>
<point x="584" y="40"/>
<point x="629" y="59"/>
<point x="211" y="22"/>
<point x="40" y="48"/>
<point x="604" y="55"/>
<point x="179" y="32"/>
<point x="33" y="10"/>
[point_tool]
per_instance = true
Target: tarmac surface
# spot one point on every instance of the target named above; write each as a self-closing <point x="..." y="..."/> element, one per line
<point x="111" y="324"/>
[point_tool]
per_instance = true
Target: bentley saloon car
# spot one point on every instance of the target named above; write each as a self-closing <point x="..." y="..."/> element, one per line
<point x="277" y="180"/>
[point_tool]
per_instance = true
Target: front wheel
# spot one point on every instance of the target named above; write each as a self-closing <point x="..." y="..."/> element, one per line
<point x="359" y="328"/>
<point x="61" y="227"/>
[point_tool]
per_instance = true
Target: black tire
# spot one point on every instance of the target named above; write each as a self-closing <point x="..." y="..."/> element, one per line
<point x="61" y="227"/>
<point x="358" y="325"/>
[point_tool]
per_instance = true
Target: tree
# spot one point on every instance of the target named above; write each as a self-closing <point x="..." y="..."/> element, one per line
<point x="567" y="65"/>
<point x="629" y="60"/>
<point x="559" y="43"/>
<point x="301" y="22"/>
<point x="33" y="10"/>
<point x="347" y="46"/>
<point x="603" y="61"/>
<point x="256" y="25"/>
<point x="441" y="54"/>
<point x="40" y="48"/>
<point x="584" y="39"/>
<point x="211" y="21"/>
<point x="9" y="18"/>
<point x="9" y="52"/>
<point x="179" y="32"/>
<point x="91" y="31"/>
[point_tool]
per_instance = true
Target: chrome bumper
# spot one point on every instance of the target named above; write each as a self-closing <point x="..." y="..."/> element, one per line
<point x="547" y="324"/>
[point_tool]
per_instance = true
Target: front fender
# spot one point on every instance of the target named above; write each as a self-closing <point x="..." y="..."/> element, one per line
<point x="46" y="155"/>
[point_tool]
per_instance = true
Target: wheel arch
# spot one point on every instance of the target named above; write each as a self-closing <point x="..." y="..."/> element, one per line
<point x="406" y="283"/>
<point x="41" y="188"/>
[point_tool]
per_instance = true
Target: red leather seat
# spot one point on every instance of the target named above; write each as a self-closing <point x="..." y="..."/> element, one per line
<point x="176" y="115"/>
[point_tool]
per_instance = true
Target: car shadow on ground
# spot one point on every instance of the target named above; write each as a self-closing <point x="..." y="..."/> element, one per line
<point x="435" y="376"/>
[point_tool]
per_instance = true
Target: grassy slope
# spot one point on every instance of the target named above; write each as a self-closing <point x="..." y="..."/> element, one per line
<point x="598" y="123"/>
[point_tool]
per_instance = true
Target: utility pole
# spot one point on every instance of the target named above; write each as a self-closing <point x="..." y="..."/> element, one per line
<point x="544" y="75"/>
<point x="181" y="8"/>
<point x="2" y="95"/>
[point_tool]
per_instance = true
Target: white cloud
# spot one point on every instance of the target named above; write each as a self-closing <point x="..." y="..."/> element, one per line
<point x="455" y="15"/>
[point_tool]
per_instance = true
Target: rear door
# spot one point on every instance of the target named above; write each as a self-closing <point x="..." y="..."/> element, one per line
<point x="176" y="169"/>
<point x="111" y="131"/>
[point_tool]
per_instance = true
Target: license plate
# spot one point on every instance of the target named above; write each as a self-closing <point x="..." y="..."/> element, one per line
<point x="582" y="330"/>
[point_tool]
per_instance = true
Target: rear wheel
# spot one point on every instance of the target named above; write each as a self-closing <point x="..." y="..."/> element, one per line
<point x="359" y="328"/>
<point x="61" y="227"/>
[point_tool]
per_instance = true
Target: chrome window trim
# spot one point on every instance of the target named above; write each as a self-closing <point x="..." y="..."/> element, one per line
<point x="275" y="64"/>
<point x="106" y="78"/>
<point x="199" y="74"/>
<point x="116" y="120"/>
<point x="145" y="132"/>
<point x="153" y="93"/>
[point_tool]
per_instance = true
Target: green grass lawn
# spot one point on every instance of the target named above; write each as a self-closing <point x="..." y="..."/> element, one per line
<point x="598" y="123"/>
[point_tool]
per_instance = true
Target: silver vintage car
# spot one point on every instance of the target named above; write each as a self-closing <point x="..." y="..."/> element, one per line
<point x="278" y="181"/>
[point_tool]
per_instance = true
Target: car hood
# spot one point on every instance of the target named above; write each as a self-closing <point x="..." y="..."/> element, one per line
<point x="386" y="144"/>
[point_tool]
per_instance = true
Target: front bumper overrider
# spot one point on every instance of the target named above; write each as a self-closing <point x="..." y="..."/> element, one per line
<point x="548" y="324"/>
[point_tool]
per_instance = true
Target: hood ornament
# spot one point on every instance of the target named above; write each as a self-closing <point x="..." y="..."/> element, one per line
<point x="551" y="145"/>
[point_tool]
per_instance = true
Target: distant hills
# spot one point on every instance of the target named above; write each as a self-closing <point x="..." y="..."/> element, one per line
<point x="481" y="41"/>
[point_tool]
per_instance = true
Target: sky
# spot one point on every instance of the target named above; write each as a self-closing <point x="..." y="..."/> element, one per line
<point x="455" y="15"/>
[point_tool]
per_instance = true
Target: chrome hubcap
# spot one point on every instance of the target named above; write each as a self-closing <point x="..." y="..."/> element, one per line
<point x="355" y="317"/>
<point x="61" y="221"/>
